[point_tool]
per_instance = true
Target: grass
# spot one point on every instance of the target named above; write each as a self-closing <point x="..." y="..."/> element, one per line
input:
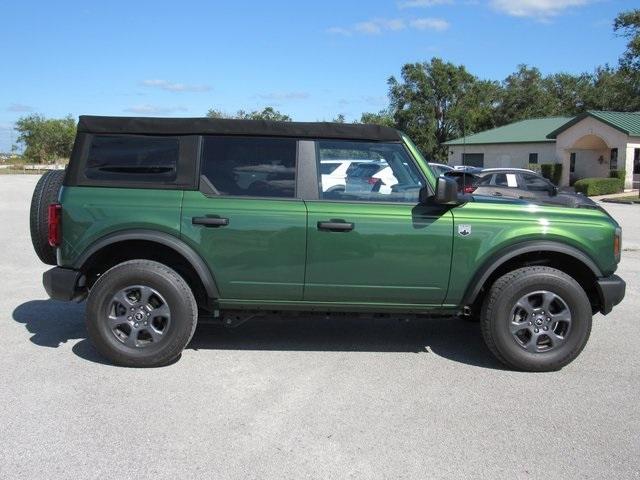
<point x="628" y="199"/>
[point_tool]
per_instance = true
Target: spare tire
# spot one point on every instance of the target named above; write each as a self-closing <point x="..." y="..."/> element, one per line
<point x="46" y="192"/>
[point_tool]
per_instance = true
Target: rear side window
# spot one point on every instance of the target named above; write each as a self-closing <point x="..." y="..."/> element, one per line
<point x="250" y="166"/>
<point x="133" y="158"/>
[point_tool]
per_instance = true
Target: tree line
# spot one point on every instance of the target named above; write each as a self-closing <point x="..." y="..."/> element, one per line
<point x="436" y="101"/>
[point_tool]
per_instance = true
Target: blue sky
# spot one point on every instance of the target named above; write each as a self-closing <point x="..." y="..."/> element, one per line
<point x="311" y="60"/>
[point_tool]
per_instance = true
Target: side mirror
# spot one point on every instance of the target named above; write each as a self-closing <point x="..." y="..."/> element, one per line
<point x="553" y="190"/>
<point x="446" y="191"/>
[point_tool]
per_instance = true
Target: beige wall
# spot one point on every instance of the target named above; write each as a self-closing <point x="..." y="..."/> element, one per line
<point x="586" y="159"/>
<point x="506" y="154"/>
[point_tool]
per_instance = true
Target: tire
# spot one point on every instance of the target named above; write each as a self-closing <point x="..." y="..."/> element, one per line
<point x="155" y="328"/>
<point x="46" y="192"/>
<point x="522" y="337"/>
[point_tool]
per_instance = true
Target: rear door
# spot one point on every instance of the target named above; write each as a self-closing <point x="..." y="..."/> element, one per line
<point x="377" y="245"/>
<point x="246" y="220"/>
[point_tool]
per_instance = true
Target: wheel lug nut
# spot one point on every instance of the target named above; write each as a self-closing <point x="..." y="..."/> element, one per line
<point x="548" y="319"/>
<point x="530" y="323"/>
<point x="129" y="317"/>
<point x="546" y="328"/>
<point x="536" y="330"/>
<point x="135" y="324"/>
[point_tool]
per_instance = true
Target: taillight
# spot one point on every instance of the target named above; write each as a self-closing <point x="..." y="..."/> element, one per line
<point x="55" y="224"/>
<point x="469" y="189"/>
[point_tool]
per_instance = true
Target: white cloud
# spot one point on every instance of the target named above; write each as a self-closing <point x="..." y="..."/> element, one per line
<point x="175" y="87"/>
<point x="19" y="107"/>
<point x="423" y="3"/>
<point x="148" y="109"/>
<point x="377" y="26"/>
<point x="540" y="9"/>
<point x="437" y="24"/>
<point x="278" y="96"/>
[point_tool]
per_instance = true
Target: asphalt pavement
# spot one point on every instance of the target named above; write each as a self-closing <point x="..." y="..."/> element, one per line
<point x="297" y="398"/>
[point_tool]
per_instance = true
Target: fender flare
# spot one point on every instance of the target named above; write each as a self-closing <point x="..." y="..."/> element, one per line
<point x="166" y="239"/>
<point x="504" y="255"/>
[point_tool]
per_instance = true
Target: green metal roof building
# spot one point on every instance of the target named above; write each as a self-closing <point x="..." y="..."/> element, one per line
<point x="588" y="145"/>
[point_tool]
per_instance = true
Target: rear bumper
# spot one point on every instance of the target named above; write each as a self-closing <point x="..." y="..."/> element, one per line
<point x="64" y="284"/>
<point x="611" y="290"/>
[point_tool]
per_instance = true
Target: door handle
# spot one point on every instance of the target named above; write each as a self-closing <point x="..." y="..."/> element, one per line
<point x="333" y="226"/>
<point x="497" y="194"/>
<point x="213" y="222"/>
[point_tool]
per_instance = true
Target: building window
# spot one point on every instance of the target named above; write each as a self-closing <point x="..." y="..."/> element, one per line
<point x="572" y="162"/>
<point x="533" y="158"/>
<point x="473" y="159"/>
<point x="636" y="161"/>
<point x="613" y="163"/>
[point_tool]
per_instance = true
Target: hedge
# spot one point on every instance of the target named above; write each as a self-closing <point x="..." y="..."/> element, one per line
<point x="599" y="186"/>
<point x="552" y="171"/>
<point x="534" y="167"/>
<point x="621" y="174"/>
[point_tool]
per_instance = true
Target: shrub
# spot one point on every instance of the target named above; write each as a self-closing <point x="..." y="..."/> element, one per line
<point x="552" y="172"/>
<point x="599" y="186"/>
<point x="621" y="174"/>
<point x="535" y="167"/>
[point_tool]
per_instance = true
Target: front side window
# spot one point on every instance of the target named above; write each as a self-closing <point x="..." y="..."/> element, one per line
<point x="377" y="172"/>
<point x="133" y="158"/>
<point x="250" y="166"/>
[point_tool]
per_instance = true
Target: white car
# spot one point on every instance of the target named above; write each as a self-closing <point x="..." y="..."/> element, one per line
<point x="334" y="174"/>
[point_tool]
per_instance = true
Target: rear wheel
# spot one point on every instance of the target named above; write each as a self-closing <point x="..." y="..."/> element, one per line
<point x="46" y="192"/>
<point x="536" y="319"/>
<point x="141" y="314"/>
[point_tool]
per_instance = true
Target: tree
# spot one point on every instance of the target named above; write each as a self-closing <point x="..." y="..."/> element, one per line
<point x="339" y="119"/>
<point x="568" y="93"/>
<point x="268" y="113"/>
<point x="627" y="24"/>
<point x="46" y="140"/>
<point x="383" y="117"/>
<point x="524" y="95"/>
<point x="436" y="101"/>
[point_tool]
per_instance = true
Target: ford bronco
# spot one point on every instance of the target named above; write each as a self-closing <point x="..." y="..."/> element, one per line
<point x="159" y="222"/>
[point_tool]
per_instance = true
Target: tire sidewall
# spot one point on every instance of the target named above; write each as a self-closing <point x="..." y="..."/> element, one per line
<point x="577" y="302"/>
<point x="125" y="275"/>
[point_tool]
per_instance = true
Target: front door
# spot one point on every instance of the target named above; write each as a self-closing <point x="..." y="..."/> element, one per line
<point x="373" y="243"/>
<point x="246" y="221"/>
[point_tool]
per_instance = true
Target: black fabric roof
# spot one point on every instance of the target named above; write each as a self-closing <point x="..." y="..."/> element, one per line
<point x="215" y="126"/>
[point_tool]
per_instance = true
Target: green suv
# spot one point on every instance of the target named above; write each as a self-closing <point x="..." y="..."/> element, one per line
<point x="160" y="222"/>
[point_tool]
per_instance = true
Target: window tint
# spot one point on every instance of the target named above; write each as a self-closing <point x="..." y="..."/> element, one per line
<point x="378" y="172"/>
<point x="535" y="183"/>
<point x="133" y="158"/>
<point x="328" y="168"/>
<point x="500" y="180"/>
<point x="254" y="167"/>
<point x="486" y="180"/>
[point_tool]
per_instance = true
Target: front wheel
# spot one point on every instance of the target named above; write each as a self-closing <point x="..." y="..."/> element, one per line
<point x="141" y="314"/>
<point x="536" y="319"/>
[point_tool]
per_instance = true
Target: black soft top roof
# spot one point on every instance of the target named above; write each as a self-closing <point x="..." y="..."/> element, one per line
<point x="215" y="126"/>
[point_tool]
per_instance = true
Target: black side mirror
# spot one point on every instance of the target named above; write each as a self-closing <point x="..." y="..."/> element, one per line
<point x="553" y="190"/>
<point x="446" y="191"/>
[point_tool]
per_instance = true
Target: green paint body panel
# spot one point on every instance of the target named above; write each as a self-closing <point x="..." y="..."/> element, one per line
<point x="90" y="213"/>
<point x="271" y="255"/>
<point x="396" y="253"/>
<point x="260" y="254"/>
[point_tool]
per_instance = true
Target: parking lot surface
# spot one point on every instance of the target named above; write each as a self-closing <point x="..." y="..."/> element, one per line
<point x="298" y="398"/>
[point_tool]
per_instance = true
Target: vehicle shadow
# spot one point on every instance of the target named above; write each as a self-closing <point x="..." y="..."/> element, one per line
<point x="53" y="323"/>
